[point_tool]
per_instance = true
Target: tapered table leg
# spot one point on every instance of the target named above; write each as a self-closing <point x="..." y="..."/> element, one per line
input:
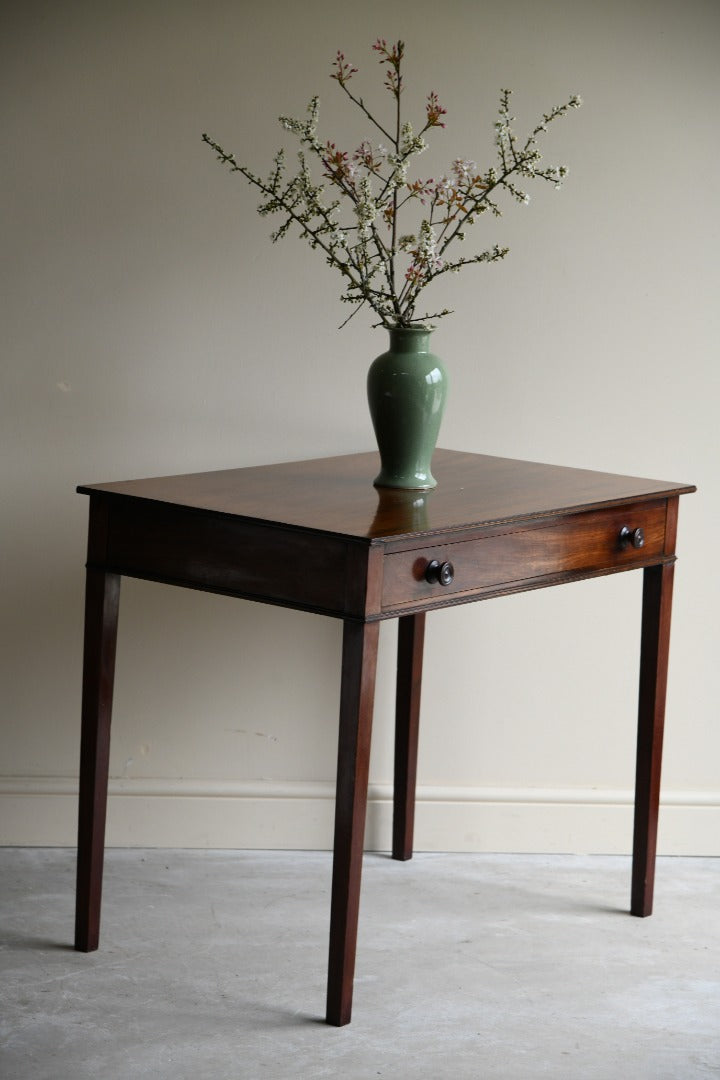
<point x="656" y="611"/>
<point x="411" y="635"/>
<point x="360" y="643"/>
<point x="101" y="615"/>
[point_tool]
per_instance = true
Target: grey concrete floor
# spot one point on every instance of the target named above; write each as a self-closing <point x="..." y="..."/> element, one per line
<point x="212" y="966"/>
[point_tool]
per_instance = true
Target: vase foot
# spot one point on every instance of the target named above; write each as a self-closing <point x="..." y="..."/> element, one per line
<point x="427" y="483"/>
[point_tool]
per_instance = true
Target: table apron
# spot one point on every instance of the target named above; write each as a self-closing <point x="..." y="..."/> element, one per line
<point x="525" y="557"/>
<point x="235" y="557"/>
<point x="350" y="579"/>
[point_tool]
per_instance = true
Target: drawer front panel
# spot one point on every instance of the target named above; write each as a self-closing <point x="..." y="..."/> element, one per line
<point x="580" y="544"/>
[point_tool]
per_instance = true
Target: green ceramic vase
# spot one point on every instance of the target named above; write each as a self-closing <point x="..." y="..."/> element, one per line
<point x="407" y="388"/>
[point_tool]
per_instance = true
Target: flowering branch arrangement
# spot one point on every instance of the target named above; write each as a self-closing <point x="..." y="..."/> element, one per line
<point x="382" y="265"/>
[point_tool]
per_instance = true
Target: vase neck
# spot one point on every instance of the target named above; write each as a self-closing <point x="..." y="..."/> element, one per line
<point x="410" y="339"/>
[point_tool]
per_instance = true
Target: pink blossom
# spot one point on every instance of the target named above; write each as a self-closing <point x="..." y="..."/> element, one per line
<point x="343" y="70"/>
<point x="434" y="111"/>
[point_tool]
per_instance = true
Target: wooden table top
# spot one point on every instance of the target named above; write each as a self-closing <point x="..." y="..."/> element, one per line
<point x="336" y="495"/>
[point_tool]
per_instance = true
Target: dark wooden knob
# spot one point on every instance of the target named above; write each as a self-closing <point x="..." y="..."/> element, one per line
<point x="442" y="573"/>
<point x="631" y="537"/>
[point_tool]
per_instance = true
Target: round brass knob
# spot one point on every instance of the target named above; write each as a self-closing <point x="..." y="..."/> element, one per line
<point x="442" y="573"/>
<point x="631" y="537"/>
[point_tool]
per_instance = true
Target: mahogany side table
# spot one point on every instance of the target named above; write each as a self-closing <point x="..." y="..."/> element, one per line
<point x="316" y="535"/>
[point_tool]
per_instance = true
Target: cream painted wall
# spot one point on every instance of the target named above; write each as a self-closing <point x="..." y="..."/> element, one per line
<point x="149" y="327"/>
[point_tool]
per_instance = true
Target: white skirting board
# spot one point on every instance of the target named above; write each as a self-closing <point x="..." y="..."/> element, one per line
<point x="299" y="815"/>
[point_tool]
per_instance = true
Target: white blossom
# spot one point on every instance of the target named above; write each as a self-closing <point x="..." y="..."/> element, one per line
<point x="409" y="142"/>
<point x="398" y="177"/>
<point x="365" y="208"/>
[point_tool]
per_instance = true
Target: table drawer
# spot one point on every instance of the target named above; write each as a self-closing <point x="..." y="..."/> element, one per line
<point x="580" y="544"/>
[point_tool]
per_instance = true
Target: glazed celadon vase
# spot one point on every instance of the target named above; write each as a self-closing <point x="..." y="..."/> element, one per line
<point x="407" y="388"/>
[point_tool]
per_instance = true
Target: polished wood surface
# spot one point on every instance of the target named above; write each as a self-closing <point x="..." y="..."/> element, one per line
<point x="317" y="536"/>
<point x="336" y="495"/>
